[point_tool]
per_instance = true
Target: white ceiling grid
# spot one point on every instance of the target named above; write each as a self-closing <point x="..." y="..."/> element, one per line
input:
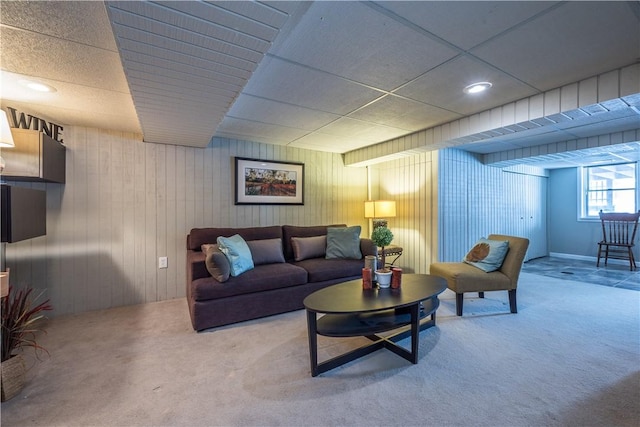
<point x="323" y="75"/>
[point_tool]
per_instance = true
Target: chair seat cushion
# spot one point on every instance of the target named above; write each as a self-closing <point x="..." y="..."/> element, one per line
<point x="463" y="278"/>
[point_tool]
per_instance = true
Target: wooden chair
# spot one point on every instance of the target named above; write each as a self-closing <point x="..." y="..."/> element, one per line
<point x="618" y="236"/>
<point x="462" y="277"/>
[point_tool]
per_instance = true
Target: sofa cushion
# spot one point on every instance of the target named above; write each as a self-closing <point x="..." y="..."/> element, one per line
<point x="216" y="262"/>
<point x="308" y="247"/>
<point x="487" y="255"/>
<point x="289" y="231"/>
<point x="237" y="252"/>
<point x="200" y="236"/>
<point x="267" y="251"/>
<point x="321" y="269"/>
<point x="343" y="242"/>
<point x="262" y="278"/>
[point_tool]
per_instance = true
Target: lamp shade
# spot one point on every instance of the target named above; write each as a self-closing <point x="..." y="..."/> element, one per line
<point x="380" y="209"/>
<point x="6" y="138"/>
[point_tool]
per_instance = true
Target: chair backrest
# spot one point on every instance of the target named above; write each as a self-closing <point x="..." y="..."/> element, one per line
<point x="515" y="256"/>
<point x="619" y="228"/>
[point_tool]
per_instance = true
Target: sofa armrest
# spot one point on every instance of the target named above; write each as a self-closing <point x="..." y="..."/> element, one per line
<point x="367" y="247"/>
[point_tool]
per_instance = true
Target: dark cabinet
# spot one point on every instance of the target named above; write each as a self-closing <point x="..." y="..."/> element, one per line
<point x="35" y="157"/>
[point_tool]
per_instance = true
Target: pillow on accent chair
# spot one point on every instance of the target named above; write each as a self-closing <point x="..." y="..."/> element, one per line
<point x="343" y="242"/>
<point x="237" y="252"/>
<point x="216" y="262"/>
<point x="487" y="255"/>
<point x="308" y="247"/>
<point x="267" y="251"/>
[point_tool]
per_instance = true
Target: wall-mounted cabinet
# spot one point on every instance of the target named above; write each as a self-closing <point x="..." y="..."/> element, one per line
<point x="35" y="157"/>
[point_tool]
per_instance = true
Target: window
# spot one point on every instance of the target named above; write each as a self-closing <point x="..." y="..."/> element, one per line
<point x="612" y="188"/>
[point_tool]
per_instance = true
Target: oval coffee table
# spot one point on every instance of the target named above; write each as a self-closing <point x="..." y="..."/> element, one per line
<point x="352" y="311"/>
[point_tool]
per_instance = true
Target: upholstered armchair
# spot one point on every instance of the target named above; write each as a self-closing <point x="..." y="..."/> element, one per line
<point x="462" y="277"/>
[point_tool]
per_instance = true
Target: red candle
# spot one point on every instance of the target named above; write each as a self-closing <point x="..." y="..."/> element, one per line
<point x="367" y="279"/>
<point x="396" y="277"/>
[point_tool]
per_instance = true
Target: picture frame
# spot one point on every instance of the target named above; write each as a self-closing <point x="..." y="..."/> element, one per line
<point x="268" y="182"/>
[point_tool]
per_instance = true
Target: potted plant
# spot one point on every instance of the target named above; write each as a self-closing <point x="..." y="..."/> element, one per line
<point x="382" y="237"/>
<point x="20" y="313"/>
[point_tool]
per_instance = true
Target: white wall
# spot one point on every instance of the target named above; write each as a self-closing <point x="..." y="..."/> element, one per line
<point x="126" y="202"/>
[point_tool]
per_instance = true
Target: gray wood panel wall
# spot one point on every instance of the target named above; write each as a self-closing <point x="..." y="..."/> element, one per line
<point x="476" y="200"/>
<point x="126" y="203"/>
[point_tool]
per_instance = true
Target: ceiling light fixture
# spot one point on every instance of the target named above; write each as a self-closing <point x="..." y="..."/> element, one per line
<point x="477" y="87"/>
<point x="37" y="86"/>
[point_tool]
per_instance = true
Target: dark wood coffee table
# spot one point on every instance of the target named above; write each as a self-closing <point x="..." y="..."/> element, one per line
<point x="352" y="311"/>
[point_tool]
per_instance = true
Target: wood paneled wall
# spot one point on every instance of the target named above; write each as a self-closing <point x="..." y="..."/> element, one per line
<point x="412" y="183"/>
<point x="126" y="203"/>
<point x="476" y="200"/>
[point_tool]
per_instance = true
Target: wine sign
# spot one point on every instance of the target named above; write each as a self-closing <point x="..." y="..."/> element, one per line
<point x="27" y="121"/>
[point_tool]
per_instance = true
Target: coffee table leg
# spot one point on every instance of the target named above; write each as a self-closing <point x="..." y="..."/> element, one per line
<point x="415" y="332"/>
<point x="312" y="331"/>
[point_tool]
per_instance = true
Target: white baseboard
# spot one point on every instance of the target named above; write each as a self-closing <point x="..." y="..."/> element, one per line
<point x="587" y="258"/>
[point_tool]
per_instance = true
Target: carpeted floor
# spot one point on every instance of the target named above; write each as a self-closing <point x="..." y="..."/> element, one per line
<point x="570" y="357"/>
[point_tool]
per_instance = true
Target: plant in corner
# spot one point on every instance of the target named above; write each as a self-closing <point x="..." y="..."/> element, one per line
<point x="382" y="237"/>
<point x="20" y="314"/>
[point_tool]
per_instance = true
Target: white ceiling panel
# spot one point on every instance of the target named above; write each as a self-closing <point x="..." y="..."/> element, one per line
<point x="298" y="85"/>
<point x="372" y="56"/>
<point x="595" y="35"/>
<point x="262" y="110"/>
<point x="348" y="127"/>
<point x="443" y="87"/>
<point x="403" y="113"/>
<point x="329" y="76"/>
<point x="466" y="24"/>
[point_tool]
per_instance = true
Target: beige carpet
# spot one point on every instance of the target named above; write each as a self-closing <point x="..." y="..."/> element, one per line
<point x="571" y="356"/>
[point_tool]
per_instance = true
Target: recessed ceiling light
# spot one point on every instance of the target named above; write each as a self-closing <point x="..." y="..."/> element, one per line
<point x="37" y="86"/>
<point x="477" y="87"/>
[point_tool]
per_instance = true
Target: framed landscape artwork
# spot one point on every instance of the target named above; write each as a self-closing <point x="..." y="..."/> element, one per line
<point x="268" y="182"/>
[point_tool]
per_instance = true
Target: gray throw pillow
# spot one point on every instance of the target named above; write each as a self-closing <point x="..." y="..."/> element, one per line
<point x="487" y="255"/>
<point x="267" y="251"/>
<point x="343" y="242"/>
<point x="308" y="247"/>
<point x="216" y="262"/>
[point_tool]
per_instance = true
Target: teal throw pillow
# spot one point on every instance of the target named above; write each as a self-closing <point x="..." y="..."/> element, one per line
<point x="343" y="242"/>
<point x="237" y="252"/>
<point x="487" y="255"/>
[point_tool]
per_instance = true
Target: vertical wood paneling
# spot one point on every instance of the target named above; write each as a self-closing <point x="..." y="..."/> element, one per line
<point x="476" y="200"/>
<point x="126" y="203"/>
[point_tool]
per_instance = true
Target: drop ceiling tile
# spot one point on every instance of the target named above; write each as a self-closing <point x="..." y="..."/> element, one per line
<point x="85" y="23"/>
<point x="403" y="113"/>
<point x="567" y="35"/>
<point x="480" y="20"/>
<point x="251" y="130"/>
<point x="367" y="131"/>
<point x="286" y="82"/>
<point x="48" y="58"/>
<point x="380" y="52"/>
<point x="331" y="143"/>
<point x="268" y="111"/>
<point x="443" y="87"/>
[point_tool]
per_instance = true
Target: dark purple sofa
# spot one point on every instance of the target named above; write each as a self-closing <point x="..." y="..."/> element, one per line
<point x="266" y="289"/>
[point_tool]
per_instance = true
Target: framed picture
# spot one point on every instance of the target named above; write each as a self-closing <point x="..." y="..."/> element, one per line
<point x="268" y="182"/>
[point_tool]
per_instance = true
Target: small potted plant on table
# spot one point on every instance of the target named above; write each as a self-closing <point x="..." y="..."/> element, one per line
<point x="20" y="312"/>
<point x="382" y="237"/>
